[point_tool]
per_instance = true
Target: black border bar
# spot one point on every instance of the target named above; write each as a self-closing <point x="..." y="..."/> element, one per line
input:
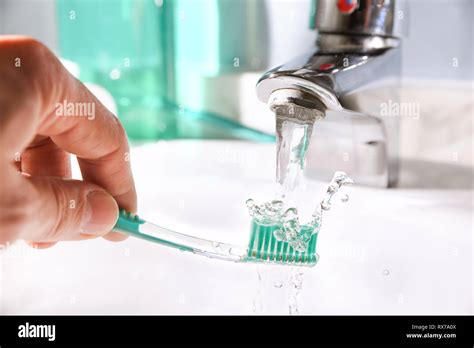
<point x="292" y="330"/>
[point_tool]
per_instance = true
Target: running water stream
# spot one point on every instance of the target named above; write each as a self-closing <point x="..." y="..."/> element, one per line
<point x="293" y="138"/>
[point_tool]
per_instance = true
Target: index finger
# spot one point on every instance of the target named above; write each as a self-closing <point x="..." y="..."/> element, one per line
<point x="74" y="119"/>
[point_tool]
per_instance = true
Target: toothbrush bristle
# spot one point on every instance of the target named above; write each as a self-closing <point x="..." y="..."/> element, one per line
<point x="264" y="247"/>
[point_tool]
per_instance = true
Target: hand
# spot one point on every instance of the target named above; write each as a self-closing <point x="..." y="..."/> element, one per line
<point x="38" y="200"/>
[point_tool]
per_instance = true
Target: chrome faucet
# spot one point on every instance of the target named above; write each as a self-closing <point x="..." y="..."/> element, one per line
<point x="351" y="78"/>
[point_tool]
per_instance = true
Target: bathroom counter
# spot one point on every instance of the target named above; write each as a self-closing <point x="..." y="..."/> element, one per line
<point x="397" y="251"/>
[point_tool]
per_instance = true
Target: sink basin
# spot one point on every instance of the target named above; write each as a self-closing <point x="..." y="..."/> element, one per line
<point x="402" y="251"/>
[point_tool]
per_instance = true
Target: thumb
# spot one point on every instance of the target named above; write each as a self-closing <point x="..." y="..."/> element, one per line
<point x="69" y="210"/>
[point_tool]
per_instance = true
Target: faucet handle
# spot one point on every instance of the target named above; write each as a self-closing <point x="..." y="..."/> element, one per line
<point x="355" y="17"/>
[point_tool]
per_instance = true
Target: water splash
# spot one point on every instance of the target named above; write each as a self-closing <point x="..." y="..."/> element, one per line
<point x="340" y="179"/>
<point x="296" y="234"/>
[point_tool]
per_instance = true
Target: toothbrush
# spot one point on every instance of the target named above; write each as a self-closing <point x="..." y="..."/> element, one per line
<point x="263" y="246"/>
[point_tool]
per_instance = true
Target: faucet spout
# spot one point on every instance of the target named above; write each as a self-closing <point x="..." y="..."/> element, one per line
<point x="353" y="70"/>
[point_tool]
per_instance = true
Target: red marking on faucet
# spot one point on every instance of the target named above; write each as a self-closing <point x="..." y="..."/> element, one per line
<point x="326" y="66"/>
<point x="347" y="6"/>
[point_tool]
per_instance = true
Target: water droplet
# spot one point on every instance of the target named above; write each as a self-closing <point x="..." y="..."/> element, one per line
<point x="278" y="285"/>
<point x="216" y="244"/>
<point x="345" y="198"/>
<point x="277" y="205"/>
<point x="290" y="213"/>
<point x="386" y="272"/>
<point x="249" y="203"/>
<point x="325" y="205"/>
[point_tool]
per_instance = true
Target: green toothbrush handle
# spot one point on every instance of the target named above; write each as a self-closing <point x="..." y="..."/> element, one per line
<point x="132" y="225"/>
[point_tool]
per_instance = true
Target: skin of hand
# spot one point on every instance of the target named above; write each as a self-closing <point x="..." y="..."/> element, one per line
<point x="39" y="202"/>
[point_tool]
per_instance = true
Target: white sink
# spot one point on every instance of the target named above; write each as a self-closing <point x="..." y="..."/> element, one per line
<point x="404" y="251"/>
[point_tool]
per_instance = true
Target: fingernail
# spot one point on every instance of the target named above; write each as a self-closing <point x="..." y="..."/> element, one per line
<point x="100" y="213"/>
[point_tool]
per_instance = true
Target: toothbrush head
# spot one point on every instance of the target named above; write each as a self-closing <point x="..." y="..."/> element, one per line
<point x="265" y="247"/>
